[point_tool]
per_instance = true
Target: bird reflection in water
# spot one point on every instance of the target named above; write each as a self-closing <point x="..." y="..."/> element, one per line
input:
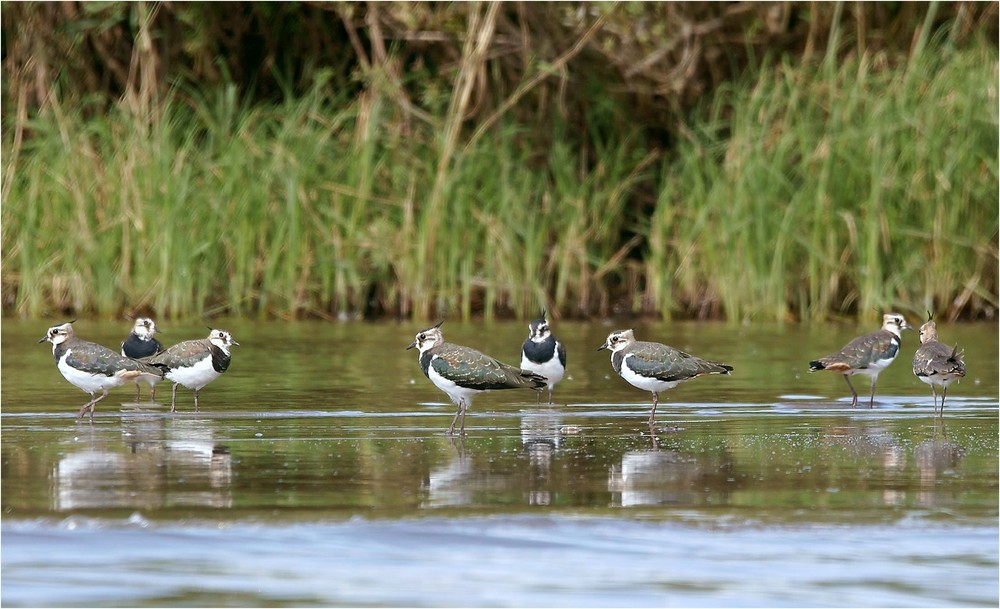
<point x="541" y="435"/>
<point x="159" y="463"/>
<point x="937" y="457"/>
<point x="447" y="485"/>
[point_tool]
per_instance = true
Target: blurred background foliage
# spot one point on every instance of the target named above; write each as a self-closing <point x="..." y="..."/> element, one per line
<point x="773" y="160"/>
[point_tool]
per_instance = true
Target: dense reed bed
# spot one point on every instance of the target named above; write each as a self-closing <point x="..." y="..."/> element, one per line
<point x="804" y="192"/>
<point x="846" y="188"/>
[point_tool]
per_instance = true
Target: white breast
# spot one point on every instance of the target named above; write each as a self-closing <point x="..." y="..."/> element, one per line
<point x="552" y="369"/>
<point x="85" y="380"/>
<point x="643" y="382"/>
<point x="195" y="377"/>
<point x="456" y="393"/>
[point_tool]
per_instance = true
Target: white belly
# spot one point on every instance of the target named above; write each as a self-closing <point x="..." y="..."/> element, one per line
<point x="85" y="380"/>
<point x="643" y="382"/>
<point x="196" y="376"/>
<point x="874" y="369"/>
<point x="552" y="369"/>
<point x="149" y="380"/>
<point x="456" y="393"/>
<point x="938" y="379"/>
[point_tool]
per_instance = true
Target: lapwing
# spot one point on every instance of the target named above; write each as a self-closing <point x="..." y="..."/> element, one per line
<point x="196" y="363"/>
<point x="141" y="344"/>
<point x="655" y="367"/>
<point x="543" y="354"/>
<point x="462" y="372"/>
<point x="936" y="363"/>
<point x="868" y="355"/>
<point x="93" y="367"/>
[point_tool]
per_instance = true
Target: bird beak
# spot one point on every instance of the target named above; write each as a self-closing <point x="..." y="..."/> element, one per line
<point x="604" y="346"/>
<point x="411" y="345"/>
<point x="43" y="339"/>
<point x="233" y="342"/>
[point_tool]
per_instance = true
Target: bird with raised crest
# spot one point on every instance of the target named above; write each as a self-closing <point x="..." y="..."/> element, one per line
<point x="655" y="367"/>
<point x="141" y="343"/>
<point x="92" y="367"/>
<point x="196" y="363"/>
<point x="868" y="355"/>
<point x="543" y="354"/>
<point x="462" y="372"/>
<point x="935" y="363"/>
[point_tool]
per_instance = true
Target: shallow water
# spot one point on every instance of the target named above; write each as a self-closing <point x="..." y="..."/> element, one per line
<point x="318" y="473"/>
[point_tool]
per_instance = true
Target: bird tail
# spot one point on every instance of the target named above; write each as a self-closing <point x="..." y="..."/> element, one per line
<point x="957" y="364"/>
<point x="159" y="368"/>
<point x="533" y="380"/>
<point x="143" y="372"/>
<point x="816" y="365"/>
<point x="956" y="355"/>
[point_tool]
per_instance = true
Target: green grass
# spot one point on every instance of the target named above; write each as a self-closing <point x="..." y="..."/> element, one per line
<point x="830" y="192"/>
<point x="805" y="194"/>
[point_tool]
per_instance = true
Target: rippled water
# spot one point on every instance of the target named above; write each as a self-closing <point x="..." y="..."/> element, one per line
<point x="318" y="473"/>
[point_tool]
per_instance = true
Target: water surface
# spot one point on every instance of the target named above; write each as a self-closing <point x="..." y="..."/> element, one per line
<point x="318" y="473"/>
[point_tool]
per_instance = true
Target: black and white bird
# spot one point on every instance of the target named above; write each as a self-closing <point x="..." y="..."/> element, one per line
<point x="93" y="367"/>
<point x="935" y="363"/>
<point x="142" y="343"/>
<point x="196" y="363"/>
<point x="462" y="372"/>
<point x="655" y="367"/>
<point x="543" y="354"/>
<point x="868" y="355"/>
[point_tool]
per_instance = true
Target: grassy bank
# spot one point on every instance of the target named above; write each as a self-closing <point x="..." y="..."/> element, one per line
<point x="847" y="188"/>
<point x="803" y="194"/>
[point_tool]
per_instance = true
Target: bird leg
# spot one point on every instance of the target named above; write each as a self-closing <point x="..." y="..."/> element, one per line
<point x="173" y="398"/>
<point x="465" y="406"/>
<point x="934" y="393"/>
<point x="93" y="401"/>
<point x="196" y="399"/>
<point x="854" y="401"/>
<point x="652" y="414"/>
<point x="137" y="393"/>
<point x="152" y="394"/>
<point x="550" y="394"/>
<point x="459" y="411"/>
<point x="944" y="394"/>
<point x="83" y="410"/>
<point x="871" y="399"/>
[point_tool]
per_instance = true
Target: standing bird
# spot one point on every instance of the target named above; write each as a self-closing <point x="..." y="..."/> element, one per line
<point x="869" y="354"/>
<point x="655" y="367"/>
<point x="93" y="367"/>
<point x="462" y="372"/>
<point x="196" y="363"/>
<point x="543" y="354"/>
<point x="141" y="343"/>
<point x="936" y="363"/>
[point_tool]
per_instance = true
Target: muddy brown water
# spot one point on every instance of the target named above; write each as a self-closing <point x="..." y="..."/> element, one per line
<point x="318" y="473"/>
